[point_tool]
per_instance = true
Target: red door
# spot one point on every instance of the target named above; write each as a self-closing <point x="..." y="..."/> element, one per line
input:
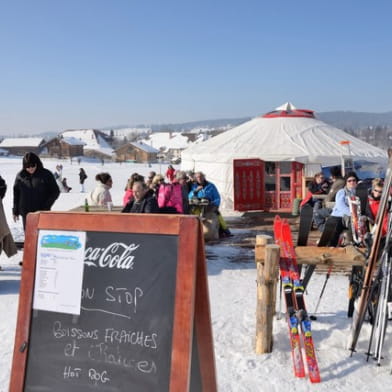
<point x="248" y="184"/>
<point x="282" y="184"/>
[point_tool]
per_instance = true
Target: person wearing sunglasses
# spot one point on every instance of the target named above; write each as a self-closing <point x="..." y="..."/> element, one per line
<point x="341" y="211"/>
<point x="35" y="188"/>
<point x="373" y="203"/>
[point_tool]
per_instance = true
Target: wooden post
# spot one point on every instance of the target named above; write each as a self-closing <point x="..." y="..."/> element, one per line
<point x="267" y="258"/>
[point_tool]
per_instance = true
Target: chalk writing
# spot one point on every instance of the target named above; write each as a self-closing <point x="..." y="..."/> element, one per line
<point x="78" y="333"/>
<point x="97" y="377"/>
<point x="70" y="349"/>
<point x="102" y="352"/>
<point x="122" y="294"/>
<point x="70" y="372"/>
<point x="132" y="337"/>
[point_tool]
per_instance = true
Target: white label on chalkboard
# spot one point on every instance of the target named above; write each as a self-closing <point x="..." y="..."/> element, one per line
<point x="59" y="271"/>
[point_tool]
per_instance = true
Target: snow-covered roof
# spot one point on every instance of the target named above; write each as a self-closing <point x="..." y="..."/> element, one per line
<point x="91" y="138"/>
<point x="145" y="147"/>
<point x="73" y="141"/>
<point x="22" y="142"/>
<point x="167" y="140"/>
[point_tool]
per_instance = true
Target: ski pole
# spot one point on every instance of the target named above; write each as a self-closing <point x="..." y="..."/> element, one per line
<point x="279" y="316"/>
<point x="322" y="291"/>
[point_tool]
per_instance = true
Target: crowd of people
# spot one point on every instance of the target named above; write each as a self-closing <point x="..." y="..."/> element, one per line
<point x="36" y="189"/>
<point x="177" y="192"/>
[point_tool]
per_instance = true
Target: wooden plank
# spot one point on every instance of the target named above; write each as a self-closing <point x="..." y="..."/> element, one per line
<point x="205" y="343"/>
<point x="184" y="310"/>
<point x="348" y="255"/>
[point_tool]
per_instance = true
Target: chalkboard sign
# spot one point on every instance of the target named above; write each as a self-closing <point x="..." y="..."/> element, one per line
<point x="143" y="321"/>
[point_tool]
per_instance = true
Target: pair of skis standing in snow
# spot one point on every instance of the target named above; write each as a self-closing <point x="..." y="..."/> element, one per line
<point x="297" y="317"/>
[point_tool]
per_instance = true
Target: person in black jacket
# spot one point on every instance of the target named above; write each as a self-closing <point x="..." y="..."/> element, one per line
<point x="82" y="179"/>
<point x="35" y="188"/>
<point x="144" y="200"/>
<point x="3" y="187"/>
<point x="7" y="244"/>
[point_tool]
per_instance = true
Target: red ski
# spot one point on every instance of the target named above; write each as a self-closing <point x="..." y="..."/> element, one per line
<point x="288" y="251"/>
<point x="292" y="320"/>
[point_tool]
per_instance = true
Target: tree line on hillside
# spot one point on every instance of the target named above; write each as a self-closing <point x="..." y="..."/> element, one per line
<point x="379" y="136"/>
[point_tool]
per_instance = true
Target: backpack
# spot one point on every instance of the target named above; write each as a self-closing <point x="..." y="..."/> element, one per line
<point x="170" y="195"/>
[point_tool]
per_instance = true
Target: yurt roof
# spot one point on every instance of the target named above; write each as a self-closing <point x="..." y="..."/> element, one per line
<point x="285" y="138"/>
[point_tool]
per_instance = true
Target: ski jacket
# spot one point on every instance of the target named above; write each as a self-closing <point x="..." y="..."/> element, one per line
<point x="342" y="207"/>
<point x="315" y="189"/>
<point x="170" y="174"/>
<point x="3" y="187"/>
<point x="82" y="177"/>
<point x="128" y="196"/>
<point x="100" y="195"/>
<point x="209" y="192"/>
<point x="170" y="195"/>
<point x="372" y="206"/>
<point x="36" y="192"/>
<point x="148" y="205"/>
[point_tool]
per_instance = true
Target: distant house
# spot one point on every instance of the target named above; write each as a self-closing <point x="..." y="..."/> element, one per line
<point x="22" y="145"/>
<point x="3" y="152"/>
<point x="64" y="147"/>
<point x="170" y="144"/>
<point x="136" y="152"/>
<point x="96" y="143"/>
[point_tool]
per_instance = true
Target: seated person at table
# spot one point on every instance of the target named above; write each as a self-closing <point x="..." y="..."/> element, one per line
<point x="203" y="189"/>
<point x="318" y="186"/>
<point x="143" y="200"/>
<point x="341" y="212"/>
<point x="337" y="182"/>
<point x="373" y="204"/>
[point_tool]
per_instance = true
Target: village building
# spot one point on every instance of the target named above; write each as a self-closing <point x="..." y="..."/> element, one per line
<point x="136" y="152"/>
<point x="170" y="144"/>
<point x="96" y="143"/>
<point x="263" y="163"/>
<point x="20" y="146"/>
<point x="65" y="147"/>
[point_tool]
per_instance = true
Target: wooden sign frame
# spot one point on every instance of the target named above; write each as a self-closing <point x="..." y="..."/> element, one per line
<point x="191" y="304"/>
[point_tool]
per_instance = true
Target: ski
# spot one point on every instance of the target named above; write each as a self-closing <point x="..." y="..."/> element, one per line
<point x="292" y="320"/>
<point x="301" y="312"/>
<point x="358" y="223"/>
<point x="380" y="294"/>
<point x="305" y="224"/>
<point x="372" y="259"/>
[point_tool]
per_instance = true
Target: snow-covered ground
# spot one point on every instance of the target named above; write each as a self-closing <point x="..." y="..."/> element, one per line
<point x="232" y="284"/>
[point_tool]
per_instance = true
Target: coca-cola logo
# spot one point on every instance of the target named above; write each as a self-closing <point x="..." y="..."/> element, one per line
<point x="116" y="255"/>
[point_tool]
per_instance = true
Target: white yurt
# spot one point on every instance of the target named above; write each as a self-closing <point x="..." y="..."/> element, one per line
<point x="268" y="157"/>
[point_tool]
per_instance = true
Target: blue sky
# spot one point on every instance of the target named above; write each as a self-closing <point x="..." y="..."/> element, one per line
<point x="96" y="63"/>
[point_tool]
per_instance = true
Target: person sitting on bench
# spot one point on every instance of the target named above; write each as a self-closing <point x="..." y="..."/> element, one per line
<point x="341" y="212"/>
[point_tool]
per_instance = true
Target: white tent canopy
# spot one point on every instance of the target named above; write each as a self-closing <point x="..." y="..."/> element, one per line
<point x="289" y="137"/>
